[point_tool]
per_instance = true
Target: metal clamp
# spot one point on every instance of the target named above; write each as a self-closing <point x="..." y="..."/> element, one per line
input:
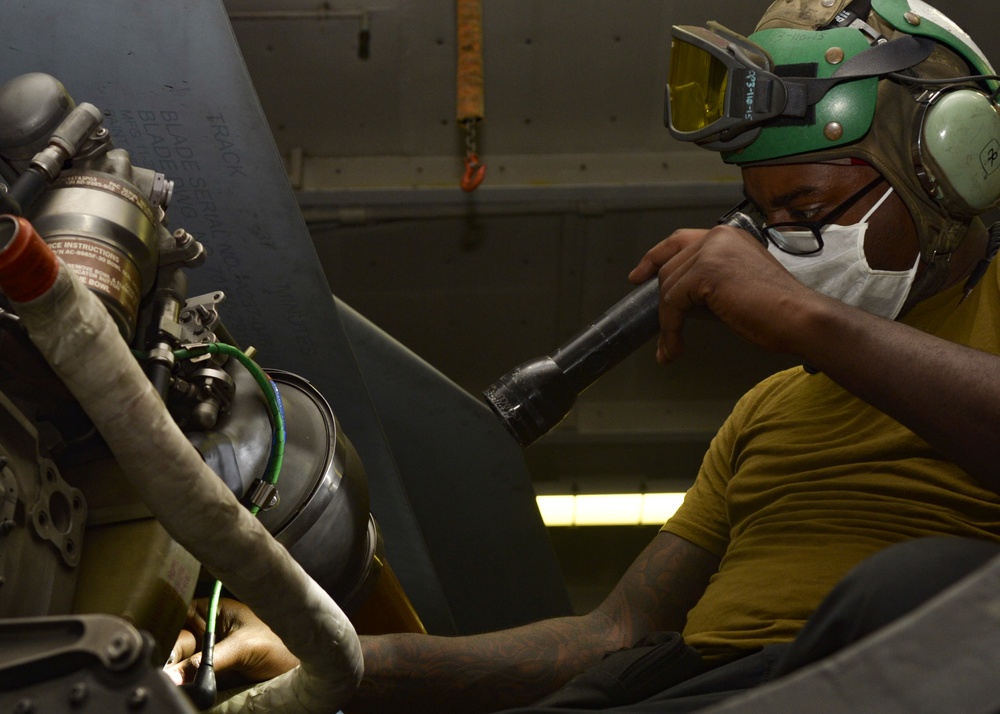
<point x="262" y="494"/>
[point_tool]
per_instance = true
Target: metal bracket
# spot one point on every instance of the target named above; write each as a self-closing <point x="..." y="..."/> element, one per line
<point x="200" y="317"/>
<point x="87" y="663"/>
<point x="59" y="513"/>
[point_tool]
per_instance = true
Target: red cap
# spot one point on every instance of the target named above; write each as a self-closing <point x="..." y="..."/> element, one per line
<point x="28" y="267"/>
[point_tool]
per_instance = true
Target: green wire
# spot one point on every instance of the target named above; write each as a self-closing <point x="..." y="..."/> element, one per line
<point x="213" y="607"/>
<point x="278" y="452"/>
<point x="273" y="469"/>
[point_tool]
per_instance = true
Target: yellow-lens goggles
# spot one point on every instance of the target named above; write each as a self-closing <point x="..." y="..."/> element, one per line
<point x="697" y="87"/>
<point x="720" y="88"/>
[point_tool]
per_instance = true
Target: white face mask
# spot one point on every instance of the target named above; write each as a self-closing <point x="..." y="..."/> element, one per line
<point x="841" y="271"/>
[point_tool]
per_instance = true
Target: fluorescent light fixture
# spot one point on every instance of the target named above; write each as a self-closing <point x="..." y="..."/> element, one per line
<point x="608" y="509"/>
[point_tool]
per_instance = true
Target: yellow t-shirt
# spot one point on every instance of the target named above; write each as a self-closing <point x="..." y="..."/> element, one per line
<point x="804" y="481"/>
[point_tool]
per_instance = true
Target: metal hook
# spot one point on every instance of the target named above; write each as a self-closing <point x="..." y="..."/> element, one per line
<point x="474" y="173"/>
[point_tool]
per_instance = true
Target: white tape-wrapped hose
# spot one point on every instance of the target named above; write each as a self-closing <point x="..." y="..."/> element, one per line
<point x="77" y="337"/>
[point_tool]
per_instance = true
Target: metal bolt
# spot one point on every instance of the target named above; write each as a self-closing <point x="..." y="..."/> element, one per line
<point x="912" y="18"/>
<point x="828" y="3"/>
<point x="119" y="648"/>
<point x="833" y="131"/>
<point x="78" y="694"/>
<point x="138" y="698"/>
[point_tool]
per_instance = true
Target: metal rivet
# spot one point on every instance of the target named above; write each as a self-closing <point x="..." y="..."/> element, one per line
<point x="912" y="18"/>
<point x="833" y="131"/>
<point x="78" y="694"/>
<point x="834" y="55"/>
<point x="138" y="698"/>
<point x="828" y="3"/>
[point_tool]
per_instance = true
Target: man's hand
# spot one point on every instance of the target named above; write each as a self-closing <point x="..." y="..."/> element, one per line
<point x="727" y="272"/>
<point x="244" y="645"/>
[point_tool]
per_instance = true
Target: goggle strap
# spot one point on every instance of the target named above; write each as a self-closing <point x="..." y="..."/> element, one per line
<point x="876" y="61"/>
<point x="894" y="56"/>
<point x="799" y="99"/>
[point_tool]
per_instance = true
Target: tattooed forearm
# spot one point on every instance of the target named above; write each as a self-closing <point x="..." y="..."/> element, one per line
<point x="479" y="673"/>
<point x="483" y="673"/>
<point x="663" y="583"/>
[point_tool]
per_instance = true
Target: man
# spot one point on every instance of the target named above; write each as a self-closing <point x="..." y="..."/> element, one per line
<point x="876" y="274"/>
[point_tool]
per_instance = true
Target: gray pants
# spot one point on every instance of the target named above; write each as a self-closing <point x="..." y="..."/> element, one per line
<point x="664" y="676"/>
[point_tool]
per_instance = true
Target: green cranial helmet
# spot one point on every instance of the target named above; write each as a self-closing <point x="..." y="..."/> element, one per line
<point x="893" y="83"/>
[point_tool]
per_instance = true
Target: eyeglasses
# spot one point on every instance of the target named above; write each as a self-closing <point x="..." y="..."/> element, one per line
<point x="804" y="237"/>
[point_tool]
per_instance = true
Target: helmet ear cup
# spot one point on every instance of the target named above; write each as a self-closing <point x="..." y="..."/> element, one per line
<point x="958" y="151"/>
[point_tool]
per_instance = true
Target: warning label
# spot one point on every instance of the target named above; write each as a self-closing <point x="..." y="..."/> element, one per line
<point x="103" y="269"/>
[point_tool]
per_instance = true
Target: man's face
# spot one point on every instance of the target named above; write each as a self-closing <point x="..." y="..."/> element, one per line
<point x="808" y="192"/>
